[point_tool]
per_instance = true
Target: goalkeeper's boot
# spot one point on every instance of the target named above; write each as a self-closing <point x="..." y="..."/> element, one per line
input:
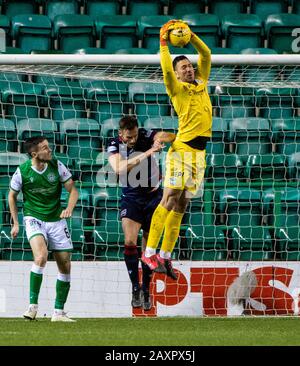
<point x="136" y="301"/>
<point x="31" y="312"/>
<point x="61" y="317"/>
<point x="153" y="263"/>
<point x="168" y="266"/>
<point x="146" y="299"/>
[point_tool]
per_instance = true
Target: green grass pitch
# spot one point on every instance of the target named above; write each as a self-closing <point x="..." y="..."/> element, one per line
<point x="175" y="331"/>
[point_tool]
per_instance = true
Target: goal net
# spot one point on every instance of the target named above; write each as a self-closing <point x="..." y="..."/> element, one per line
<point x="239" y="243"/>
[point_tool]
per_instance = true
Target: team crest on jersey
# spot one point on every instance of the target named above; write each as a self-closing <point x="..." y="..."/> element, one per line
<point x="31" y="179"/>
<point x="51" y="177"/>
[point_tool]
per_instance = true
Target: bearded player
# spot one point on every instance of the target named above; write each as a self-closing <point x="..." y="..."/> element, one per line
<point x="40" y="179"/>
<point x="186" y="157"/>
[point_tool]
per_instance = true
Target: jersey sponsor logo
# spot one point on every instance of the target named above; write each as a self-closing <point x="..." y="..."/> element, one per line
<point x="51" y="177"/>
<point x="123" y="212"/>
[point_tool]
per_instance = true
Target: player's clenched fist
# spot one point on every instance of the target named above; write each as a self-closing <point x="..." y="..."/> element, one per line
<point x="14" y="231"/>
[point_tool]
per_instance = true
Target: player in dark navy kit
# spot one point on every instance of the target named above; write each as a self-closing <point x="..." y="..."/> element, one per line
<point x="131" y="156"/>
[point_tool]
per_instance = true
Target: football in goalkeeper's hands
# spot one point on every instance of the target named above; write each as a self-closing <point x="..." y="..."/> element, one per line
<point x="180" y="35"/>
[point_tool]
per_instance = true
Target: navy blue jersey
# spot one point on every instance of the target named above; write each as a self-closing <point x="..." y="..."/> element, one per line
<point x="145" y="176"/>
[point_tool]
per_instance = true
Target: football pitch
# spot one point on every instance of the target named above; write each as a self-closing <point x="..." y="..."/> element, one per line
<point x="175" y="331"/>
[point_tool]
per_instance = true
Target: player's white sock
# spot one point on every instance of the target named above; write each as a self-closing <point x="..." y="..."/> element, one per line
<point x="149" y="252"/>
<point x="164" y="255"/>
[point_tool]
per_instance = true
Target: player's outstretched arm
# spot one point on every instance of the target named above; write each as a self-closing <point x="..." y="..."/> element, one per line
<point x="12" y="201"/>
<point x="170" y="79"/>
<point x="204" y="60"/>
<point x="73" y="198"/>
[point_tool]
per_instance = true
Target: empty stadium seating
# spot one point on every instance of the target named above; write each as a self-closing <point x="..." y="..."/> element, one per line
<point x="286" y="135"/>
<point x="8" y="135"/>
<point x="181" y="7"/>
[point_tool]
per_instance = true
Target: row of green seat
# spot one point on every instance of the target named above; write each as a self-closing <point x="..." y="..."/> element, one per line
<point x="242" y="136"/>
<point x="101" y="100"/>
<point x="241" y="230"/>
<point x="38" y="32"/>
<point x="52" y="8"/>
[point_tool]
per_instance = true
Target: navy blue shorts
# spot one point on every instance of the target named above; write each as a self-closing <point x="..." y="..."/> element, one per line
<point x="140" y="208"/>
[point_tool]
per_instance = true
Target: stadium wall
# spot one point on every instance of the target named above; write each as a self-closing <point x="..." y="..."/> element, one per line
<point x="102" y="289"/>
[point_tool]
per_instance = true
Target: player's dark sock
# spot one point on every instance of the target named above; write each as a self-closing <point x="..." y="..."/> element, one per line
<point x="147" y="274"/>
<point x="132" y="263"/>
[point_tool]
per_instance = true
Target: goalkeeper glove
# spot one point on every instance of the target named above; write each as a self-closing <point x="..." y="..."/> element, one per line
<point x="164" y="31"/>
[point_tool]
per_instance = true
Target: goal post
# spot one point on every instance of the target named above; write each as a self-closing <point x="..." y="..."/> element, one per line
<point x="244" y="221"/>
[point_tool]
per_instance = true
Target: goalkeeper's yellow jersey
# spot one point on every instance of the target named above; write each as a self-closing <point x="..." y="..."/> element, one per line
<point x="191" y="102"/>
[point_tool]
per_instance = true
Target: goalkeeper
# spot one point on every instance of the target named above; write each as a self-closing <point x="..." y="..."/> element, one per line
<point x="131" y="155"/>
<point x="186" y="157"/>
<point x="40" y="179"/>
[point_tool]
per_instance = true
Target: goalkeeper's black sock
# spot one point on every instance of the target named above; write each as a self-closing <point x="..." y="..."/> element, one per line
<point x="132" y="263"/>
<point x="147" y="274"/>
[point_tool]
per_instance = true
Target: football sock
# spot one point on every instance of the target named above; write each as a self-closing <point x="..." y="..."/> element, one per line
<point x="157" y="226"/>
<point x="147" y="274"/>
<point x="172" y="228"/>
<point x="36" y="277"/>
<point x="132" y="263"/>
<point x="62" y="290"/>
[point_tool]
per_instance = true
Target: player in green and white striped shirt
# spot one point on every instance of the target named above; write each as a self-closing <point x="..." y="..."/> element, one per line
<point x="40" y="179"/>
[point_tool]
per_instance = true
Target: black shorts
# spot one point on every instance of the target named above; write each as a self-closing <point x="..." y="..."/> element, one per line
<point x="140" y="208"/>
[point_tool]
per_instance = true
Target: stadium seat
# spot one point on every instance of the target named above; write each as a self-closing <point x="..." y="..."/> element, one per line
<point x="234" y="102"/>
<point x="139" y="8"/>
<point x="21" y="100"/>
<point x="110" y="128"/>
<point x="93" y="170"/>
<point x="81" y="137"/>
<point x="272" y="167"/>
<point x="259" y="74"/>
<point x="91" y="51"/>
<point x="35" y="127"/>
<point x="242" y="29"/>
<point x="107" y="99"/>
<point x="286" y="135"/>
<point x="80" y="218"/>
<point x="17" y="249"/>
<point x="65" y="102"/>
<point x="95" y="8"/>
<point x="181" y="7"/>
<point x="294" y="166"/>
<point x="240" y="207"/>
<point x="166" y="123"/>
<point x="32" y="32"/>
<point x="222" y="7"/>
<point x="116" y="31"/>
<point x="8" y="135"/>
<point x="219" y="141"/>
<point x="206" y="26"/>
<point x="148" y="28"/>
<point x="149" y="100"/>
<point x="282" y="205"/>
<point x="264" y="8"/>
<point x="18" y="7"/>
<point x="108" y="233"/>
<point x="222" y="72"/>
<point x="73" y="30"/>
<point x="12" y="50"/>
<point x="276" y="103"/>
<point x="53" y="8"/>
<point x="5" y="26"/>
<point x="279" y="28"/>
<point x="250" y="136"/>
<point x="252" y="244"/>
<point x="224" y="167"/>
<point x="8" y="165"/>
<point x="206" y="243"/>
<point x="288" y="243"/>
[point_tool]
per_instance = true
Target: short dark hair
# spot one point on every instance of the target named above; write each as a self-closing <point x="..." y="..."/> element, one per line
<point x="128" y="123"/>
<point x="31" y="143"/>
<point x="177" y="59"/>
